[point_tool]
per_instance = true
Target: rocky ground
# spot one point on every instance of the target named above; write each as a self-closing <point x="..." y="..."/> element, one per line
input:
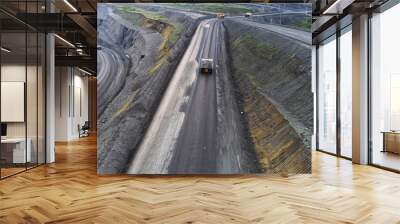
<point x="145" y="44"/>
<point x="273" y="76"/>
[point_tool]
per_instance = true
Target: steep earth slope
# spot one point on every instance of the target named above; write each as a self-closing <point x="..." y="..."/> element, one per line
<point x="273" y="78"/>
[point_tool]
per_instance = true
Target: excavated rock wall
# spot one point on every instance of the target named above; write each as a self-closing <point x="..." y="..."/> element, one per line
<point x="273" y="79"/>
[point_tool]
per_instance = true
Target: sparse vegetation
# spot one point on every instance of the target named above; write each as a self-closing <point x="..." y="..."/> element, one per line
<point x="136" y="19"/>
<point x="169" y="30"/>
<point x="260" y="49"/>
<point x="304" y="23"/>
<point x="148" y="14"/>
<point x="174" y="36"/>
<point x="125" y="105"/>
<point x="214" y="8"/>
<point x="133" y="14"/>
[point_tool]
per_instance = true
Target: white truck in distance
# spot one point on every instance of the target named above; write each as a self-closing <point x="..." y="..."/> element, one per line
<point x="248" y="14"/>
<point x="206" y="65"/>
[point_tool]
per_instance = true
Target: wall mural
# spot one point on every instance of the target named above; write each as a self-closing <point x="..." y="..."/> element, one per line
<point x="204" y="88"/>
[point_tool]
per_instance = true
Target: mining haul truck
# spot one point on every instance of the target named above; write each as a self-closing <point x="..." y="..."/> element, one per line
<point x="206" y="65"/>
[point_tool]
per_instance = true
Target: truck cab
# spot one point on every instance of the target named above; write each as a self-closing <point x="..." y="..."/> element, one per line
<point x="248" y="14"/>
<point x="206" y="65"/>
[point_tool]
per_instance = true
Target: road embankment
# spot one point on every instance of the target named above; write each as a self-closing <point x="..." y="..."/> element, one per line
<point x="273" y="78"/>
<point x="236" y="153"/>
